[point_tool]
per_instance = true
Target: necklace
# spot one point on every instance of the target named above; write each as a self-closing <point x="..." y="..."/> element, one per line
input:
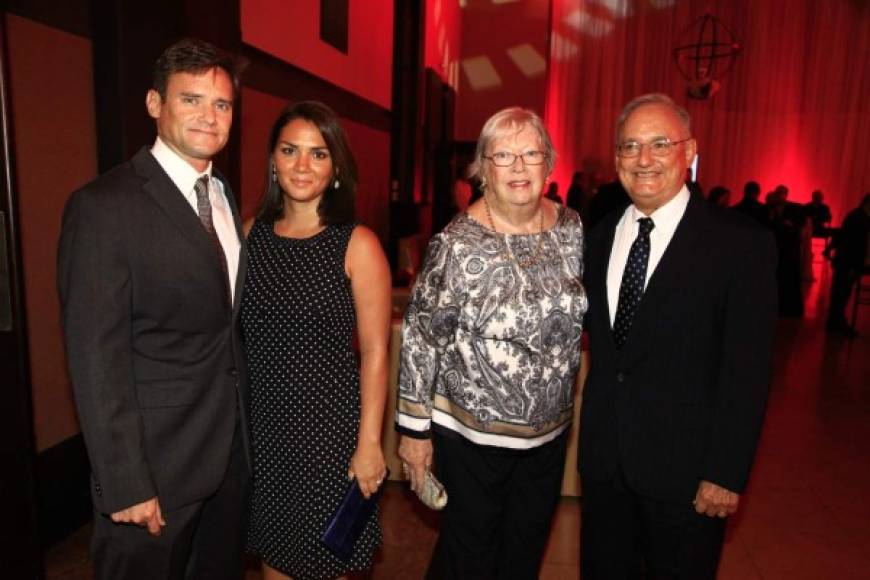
<point x="535" y="257"/>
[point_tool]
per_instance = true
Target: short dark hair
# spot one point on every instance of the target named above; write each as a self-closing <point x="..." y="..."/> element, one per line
<point x="336" y="205"/>
<point x="191" y="55"/>
<point x="752" y="188"/>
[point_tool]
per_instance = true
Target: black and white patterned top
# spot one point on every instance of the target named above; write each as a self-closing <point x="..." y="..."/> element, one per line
<point x="491" y="348"/>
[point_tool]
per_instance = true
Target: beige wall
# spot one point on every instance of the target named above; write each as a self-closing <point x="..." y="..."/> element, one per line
<point x="52" y="102"/>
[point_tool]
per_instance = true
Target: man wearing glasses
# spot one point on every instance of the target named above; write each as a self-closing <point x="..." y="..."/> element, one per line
<point x="682" y="305"/>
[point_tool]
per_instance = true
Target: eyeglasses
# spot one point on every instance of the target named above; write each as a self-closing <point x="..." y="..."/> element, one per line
<point x="505" y="159"/>
<point x="657" y="148"/>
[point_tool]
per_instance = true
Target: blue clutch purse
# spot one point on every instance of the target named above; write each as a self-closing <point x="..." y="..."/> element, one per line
<point x="347" y="523"/>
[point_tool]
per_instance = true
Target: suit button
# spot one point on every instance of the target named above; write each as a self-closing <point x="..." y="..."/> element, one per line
<point x="233" y="372"/>
<point x="620" y="377"/>
<point x="99" y="490"/>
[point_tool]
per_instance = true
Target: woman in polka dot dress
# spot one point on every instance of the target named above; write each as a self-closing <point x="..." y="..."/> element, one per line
<point x="314" y="277"/>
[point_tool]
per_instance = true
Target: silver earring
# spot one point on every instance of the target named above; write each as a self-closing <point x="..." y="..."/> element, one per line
<point x="335" y="184"/>
<point x="274" y="174"/>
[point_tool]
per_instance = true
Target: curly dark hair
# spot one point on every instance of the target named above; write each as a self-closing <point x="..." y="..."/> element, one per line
<point x="336" y="204"/>
<point x="191" y="55"/>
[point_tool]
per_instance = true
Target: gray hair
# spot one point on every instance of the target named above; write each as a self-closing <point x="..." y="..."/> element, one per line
<point x="506" y="121"/>
<point x="653" y="99"/>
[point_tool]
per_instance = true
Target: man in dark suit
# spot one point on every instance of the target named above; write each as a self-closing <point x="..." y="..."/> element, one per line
<point x="681" y="315"/>
<point x="150" y="269"/>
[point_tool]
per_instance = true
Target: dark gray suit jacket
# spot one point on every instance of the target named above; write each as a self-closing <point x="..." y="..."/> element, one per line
<point x="152" y="342"/>
<point x="684" y="399"/>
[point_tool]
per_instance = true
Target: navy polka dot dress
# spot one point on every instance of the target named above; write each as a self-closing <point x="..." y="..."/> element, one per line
<point x="298" y="320"/>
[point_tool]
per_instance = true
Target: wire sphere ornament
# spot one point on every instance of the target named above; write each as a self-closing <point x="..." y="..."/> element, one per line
<point x="706" y="53"/>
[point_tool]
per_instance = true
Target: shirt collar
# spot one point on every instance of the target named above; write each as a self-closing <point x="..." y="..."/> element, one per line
<point x="667" y="217"/>
<point x="182" y="174"/>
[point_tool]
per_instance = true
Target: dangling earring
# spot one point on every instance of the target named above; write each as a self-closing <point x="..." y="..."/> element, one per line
<point x="335" y="184"/>
<point x="274" y="173"/>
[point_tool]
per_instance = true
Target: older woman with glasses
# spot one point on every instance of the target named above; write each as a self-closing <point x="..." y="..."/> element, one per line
<point x="491" y="349"/>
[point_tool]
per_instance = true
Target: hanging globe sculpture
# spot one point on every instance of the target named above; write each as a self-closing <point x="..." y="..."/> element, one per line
<point x="706" y="52"/>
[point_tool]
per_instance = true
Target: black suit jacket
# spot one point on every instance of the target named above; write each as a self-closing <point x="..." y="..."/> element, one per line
<point x="152" y="341"/>
<point x="684" y="399"/>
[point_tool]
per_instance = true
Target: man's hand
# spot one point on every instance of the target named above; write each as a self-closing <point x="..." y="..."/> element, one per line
<point x="146" y="514"/>
<point x="416" y="456"/>
<point x="715" y="501"/>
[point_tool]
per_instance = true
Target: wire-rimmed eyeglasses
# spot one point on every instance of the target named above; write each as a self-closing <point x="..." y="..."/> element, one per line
<point x="657" y="148"/>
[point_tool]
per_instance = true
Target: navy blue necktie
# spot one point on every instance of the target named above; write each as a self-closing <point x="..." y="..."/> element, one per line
<point x="633" y="279"/>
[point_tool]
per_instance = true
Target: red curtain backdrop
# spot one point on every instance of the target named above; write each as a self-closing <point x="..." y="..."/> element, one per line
<point x="793" y="110"/>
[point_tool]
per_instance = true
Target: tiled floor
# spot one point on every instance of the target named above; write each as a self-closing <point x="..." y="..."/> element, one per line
<point x="806" y="514"/>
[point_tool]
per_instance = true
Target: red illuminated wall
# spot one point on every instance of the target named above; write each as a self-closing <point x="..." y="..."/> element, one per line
<point x="259" y="110"/>
<point x="793" y="110"/>
<point x="443" y="39"/>
<point x="495" y="37"/>
<point x="290" y="30"/>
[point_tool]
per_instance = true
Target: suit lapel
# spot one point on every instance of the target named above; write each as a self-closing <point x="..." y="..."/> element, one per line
<point x="243" y="254"/>
<point x="600" y="259"/>
<point x="675" y="266"/>
<point x="165" y="194"/>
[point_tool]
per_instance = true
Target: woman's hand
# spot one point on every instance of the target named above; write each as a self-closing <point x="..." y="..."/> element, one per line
<point x="368" y="467"/>
<point x="416" y="456"/>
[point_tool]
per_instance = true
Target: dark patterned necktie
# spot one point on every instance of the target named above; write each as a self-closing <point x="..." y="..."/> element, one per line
<point x="203" y="209"/>
<point x="633" y="279"/>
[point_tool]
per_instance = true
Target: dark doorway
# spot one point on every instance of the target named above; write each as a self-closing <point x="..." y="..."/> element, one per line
<point x="19" y="544"/>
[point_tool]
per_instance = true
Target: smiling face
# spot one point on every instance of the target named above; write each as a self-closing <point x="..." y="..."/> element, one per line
<point x="302" y="162"/>
<point x="649" y="180"/>
<point x="195" y="117"/>
<point x="518" y="184"/>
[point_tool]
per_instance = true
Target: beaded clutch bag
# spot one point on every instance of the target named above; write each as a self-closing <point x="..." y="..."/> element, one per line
<point x="433" y="494"/>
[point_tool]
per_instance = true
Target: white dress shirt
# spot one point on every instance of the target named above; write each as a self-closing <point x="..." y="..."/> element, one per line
<point x="184" y="176"/>
<point x="665" y="220"/>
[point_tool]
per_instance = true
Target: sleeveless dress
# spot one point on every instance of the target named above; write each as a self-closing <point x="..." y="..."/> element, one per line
<point x="298" y="320"/>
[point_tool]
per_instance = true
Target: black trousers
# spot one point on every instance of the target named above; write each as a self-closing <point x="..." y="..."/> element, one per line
<point x="627" y="536"/>
<point x="204" y="540"/>
<point x="842" y="283"/>
<point x="499" y="507"/>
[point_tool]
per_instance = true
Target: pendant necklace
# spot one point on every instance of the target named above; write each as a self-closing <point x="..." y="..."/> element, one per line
<point x="535" y="257"/>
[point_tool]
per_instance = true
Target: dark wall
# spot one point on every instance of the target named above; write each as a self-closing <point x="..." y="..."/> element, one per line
<point x="51" y="101"/>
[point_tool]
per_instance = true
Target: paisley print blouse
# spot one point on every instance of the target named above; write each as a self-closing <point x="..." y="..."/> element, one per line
<point x="491" y="337"/>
